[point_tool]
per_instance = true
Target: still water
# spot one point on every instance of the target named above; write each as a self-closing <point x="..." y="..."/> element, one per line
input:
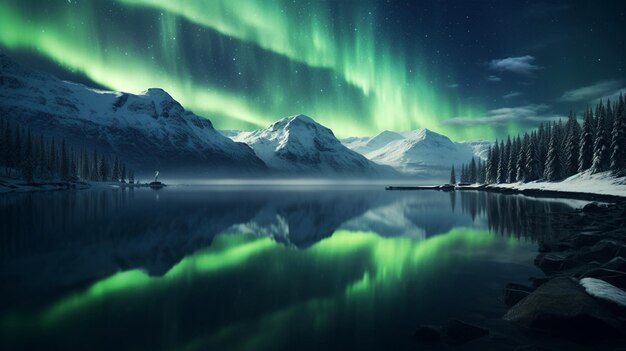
<point x="235" y="268"/>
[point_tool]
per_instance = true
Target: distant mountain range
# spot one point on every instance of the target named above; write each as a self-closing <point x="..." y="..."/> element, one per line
<point x="420" y="152"/>
<point x="151" y="131"/>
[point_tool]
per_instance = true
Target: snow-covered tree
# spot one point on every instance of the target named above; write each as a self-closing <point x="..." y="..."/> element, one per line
<point x="601" y="153"/>
<point x="473" y="175"/>
<point x="552" y="170"/>
<point x="572" y="146"/>
<point x="452" y="176"/>
<point x="521" y="160"/>
<point x="503" y="162"/>
<point x="532" y="162"/>
<point x="586" y="143"/>
<point x="618" y="140"/>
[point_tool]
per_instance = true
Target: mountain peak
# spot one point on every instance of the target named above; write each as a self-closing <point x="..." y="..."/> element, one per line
<point x="157" y="93"/>
<point x="302" y="118"/>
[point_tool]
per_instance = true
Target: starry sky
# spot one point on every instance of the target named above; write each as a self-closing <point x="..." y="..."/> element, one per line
<point x="467" y="69"/>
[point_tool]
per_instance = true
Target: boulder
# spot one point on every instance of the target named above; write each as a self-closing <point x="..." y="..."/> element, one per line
<point x="427" y="334"/>
<point x="561" y="307"/>
<point x="550" y="262"/>
<point x="586" y="239"/>
<point x="604" y="291"/>
<point x="591" y="207"/>
<point x="513" y="293"/>
<point x="613" y="277"/>
<point x="603" y="251"/>
<point x="457" y="332"/>
<point x="617" y="264"/>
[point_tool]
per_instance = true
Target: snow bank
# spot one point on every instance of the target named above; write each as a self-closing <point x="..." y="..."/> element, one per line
<point x="604" y="291"/>
<point x="585" y="182"/>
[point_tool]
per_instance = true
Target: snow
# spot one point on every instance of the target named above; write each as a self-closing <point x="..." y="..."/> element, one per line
<point x="149" y="129"/>
<point x="604" y="291"/>
<point x="299" y="144"/>
<point x="418" y="152"/>
<point x="603" y="183"/>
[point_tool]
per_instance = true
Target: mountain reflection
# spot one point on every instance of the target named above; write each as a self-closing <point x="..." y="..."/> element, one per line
<point x="67" y="239"/>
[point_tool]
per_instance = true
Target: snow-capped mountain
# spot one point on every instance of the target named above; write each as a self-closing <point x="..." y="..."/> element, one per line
<point x="419" y="152"/>
<point x="147" y="131"/>
<point x="298" y="145"/>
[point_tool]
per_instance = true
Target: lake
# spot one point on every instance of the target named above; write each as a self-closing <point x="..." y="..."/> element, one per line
<point x="258" y="268"/>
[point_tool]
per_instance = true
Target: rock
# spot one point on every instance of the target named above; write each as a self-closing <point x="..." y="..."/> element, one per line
<point x="537" y="282"/>
<point x="427" y="334"/>
<point x="591" y="207"/>
<point x="604" y="291"/>
<point x="513" y="293"/>
<point x="561" y="307"/>
<point x="617" y="264"/>
<point x="549" y="262"/>
<point x="586" y="239"/>
<point x="603" y="251"/>
<point x="457" y="332"/>
<point x="613" y="277"/>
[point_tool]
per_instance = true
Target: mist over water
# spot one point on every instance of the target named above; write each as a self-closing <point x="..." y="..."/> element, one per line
<point x="257" y="267"/>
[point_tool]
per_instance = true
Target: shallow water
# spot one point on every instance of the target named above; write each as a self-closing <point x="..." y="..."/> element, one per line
<point x="235" y="267"/>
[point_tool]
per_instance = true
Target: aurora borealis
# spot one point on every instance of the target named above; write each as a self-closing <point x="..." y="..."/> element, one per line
<point x="468" y="70"/>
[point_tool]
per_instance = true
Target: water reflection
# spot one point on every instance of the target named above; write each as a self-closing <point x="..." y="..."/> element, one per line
<point x="325" y="265"/>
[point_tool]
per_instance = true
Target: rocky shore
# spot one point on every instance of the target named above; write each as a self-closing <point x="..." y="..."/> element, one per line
<point x="580" y="303"/>
<point x="582" y="297"/>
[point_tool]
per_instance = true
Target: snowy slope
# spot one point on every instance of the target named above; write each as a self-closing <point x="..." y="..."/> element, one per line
<point x="148" y="131"/>
<point x="585" y="182"/>
<point x="418" y="152"/>
<point x="299" y="145"/>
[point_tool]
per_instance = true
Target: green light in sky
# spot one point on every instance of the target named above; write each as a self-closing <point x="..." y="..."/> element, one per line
<point x="347" y="78"/>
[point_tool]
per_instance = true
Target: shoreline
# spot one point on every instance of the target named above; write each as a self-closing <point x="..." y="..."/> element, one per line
<point x="539" y="193"/>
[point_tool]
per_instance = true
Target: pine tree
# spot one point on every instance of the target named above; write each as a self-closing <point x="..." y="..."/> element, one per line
<point x="492" y="164"/>
<point x="502" y="163"/>
<point x="618" y="140"/>
<point x="452" y="176"/>
<point x="552" y="170"/>
<point x="521" y="160"/>
<point x="103" y="170"/>
<point x="473" y="175"/>
<point x="116" y="170"/>
<point x="65" y="162"/>
<point x="84" y="166"/>
<point x="123" y="173"/>
<point x="27" y="162"/>
<point x="16" y="156"/>
<point x="532" y="162"/>
<point x="95" y="170"/>
<point x="572" y="146"/>
<point x="586" y="143"/>
<point x="52" y="159"/>
<point x="601" y="154"/>
<point x="512" y="166"/>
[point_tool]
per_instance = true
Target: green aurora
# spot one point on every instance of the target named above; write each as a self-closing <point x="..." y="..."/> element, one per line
<point x="284" y="59"/>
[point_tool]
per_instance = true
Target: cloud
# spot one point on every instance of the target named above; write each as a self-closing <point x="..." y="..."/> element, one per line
<point x="512" y="95"/>
<point x="494" y="78"/>
<point x="593" y="91"/>
<point x="530" y="114"/>
<point x="453" y="85"/>
<point x="520" y="64"/>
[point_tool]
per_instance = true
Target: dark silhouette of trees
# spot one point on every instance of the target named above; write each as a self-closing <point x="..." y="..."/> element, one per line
<point x="32" y="157"/>
<point x="556" y="151"/>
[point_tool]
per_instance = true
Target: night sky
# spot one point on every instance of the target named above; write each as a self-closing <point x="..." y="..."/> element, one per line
<point x="468" y="69"/>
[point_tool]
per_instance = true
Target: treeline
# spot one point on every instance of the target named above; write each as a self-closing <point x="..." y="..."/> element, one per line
<point x="29" y="156"/>
<point x="557" y="150"/>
